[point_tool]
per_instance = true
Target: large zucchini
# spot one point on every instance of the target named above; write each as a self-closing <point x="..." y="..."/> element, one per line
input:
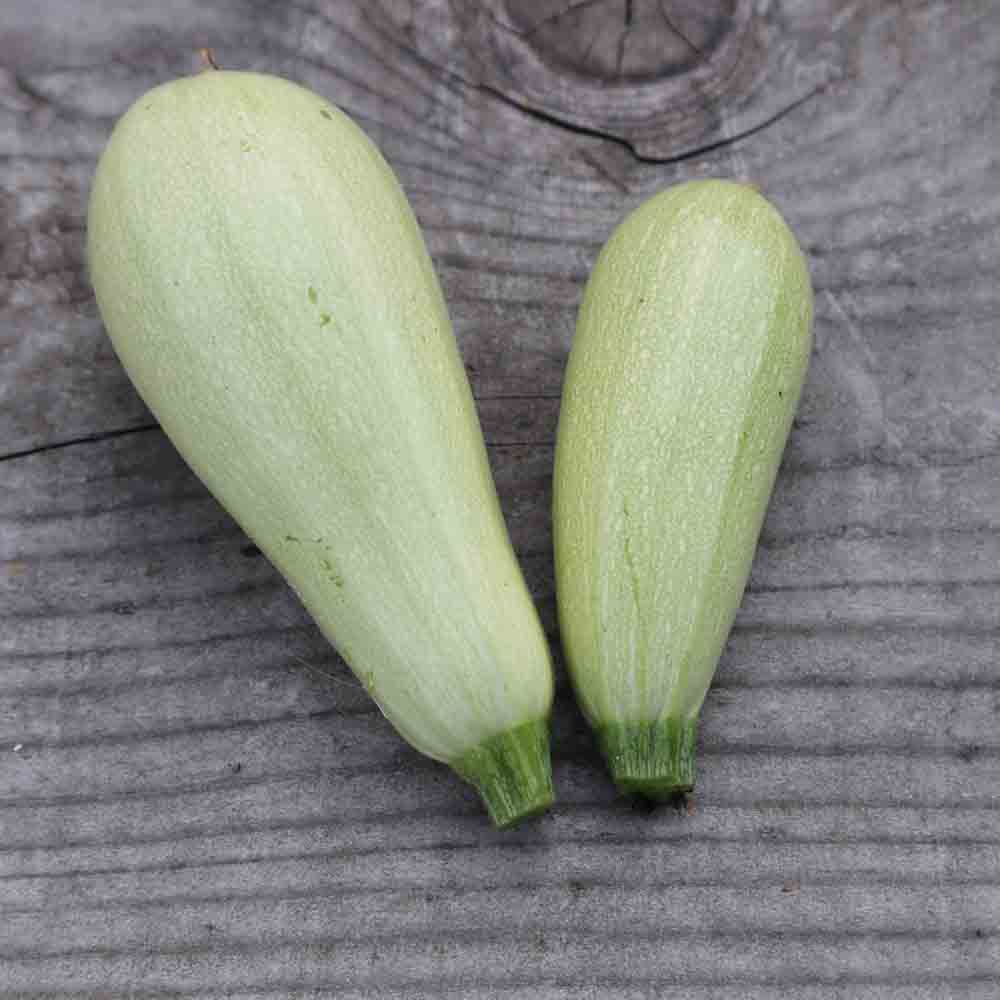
<point x="267" y="287"/>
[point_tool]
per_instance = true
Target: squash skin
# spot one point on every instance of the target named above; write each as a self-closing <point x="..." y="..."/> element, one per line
<point x="266" y="285"/>
<point x="690" y="353"/>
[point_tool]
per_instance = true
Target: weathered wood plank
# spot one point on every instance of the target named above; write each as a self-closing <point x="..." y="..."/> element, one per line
<point x="627" y="912"/>
<point x="981" y="988"/>
<point x="855" y="378"/>
<point x="967" y="989"/>
<point x="483" y="962"/>
<point x="633" y="867"/>
<point x="203" y="802"/>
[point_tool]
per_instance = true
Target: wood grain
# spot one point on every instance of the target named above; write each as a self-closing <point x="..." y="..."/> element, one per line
<point x="198" y="800"/>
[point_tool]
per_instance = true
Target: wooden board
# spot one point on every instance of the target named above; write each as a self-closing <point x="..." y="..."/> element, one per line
<point x="196" y="798"/>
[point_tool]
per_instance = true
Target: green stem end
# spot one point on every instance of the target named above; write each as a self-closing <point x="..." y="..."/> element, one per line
<point x="512" y="772"/>
<point x="652" y="760"/>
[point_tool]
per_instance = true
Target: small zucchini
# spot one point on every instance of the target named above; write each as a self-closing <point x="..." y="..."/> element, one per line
<point x="690" y="352"/>
<point x="266" y="285"/>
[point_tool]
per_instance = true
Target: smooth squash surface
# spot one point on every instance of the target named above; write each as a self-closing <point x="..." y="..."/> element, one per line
<point x="690" y="352"/>
<point x="267" y="287"/>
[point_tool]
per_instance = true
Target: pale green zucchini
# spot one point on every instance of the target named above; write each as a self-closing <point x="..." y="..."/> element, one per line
<point x="690" y="352"/>
<point x="267" y="287"/>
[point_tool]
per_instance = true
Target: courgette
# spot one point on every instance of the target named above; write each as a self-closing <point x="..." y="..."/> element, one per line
<point x="690" y="351"/>
<point x="266" y="285"/>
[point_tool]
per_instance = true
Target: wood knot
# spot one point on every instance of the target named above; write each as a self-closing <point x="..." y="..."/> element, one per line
<point x="623" y="40"/>
<point x="667" y="78"/>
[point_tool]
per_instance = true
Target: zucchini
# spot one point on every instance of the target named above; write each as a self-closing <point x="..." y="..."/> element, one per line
<point x="691" y="348"/>
<point x="267" y="288"/>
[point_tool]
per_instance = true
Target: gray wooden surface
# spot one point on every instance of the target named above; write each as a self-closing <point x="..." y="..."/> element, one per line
<point x="196" y="799"/>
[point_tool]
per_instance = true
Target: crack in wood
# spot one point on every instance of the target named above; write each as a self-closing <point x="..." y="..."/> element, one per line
<point x="623" y="37"/>
<point x="83" y="439"/>
<point x="675" y="29"/>
<point x="529" y="32"/>
<point x="629" y="146"/>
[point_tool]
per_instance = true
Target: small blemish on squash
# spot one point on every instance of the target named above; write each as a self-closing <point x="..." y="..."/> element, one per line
<point x="245" y="146"/>
<point x="326" y="114"/>
<point x="291" y="538"/>
<point x="324" y="319"/>
<point x="313" y="297"/>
